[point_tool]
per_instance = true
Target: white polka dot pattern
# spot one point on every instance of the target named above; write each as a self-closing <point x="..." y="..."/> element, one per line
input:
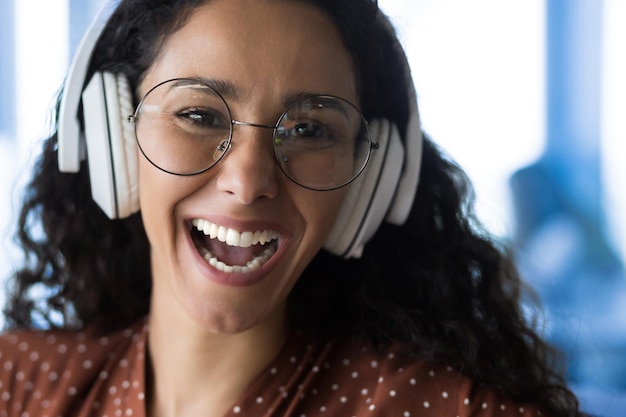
<point x="55" y="374"/>
<point x="353" y="379"/>
<point x="62" y="373"/>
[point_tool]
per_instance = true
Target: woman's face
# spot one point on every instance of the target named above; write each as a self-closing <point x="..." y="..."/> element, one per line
<point x="266" y="52"/>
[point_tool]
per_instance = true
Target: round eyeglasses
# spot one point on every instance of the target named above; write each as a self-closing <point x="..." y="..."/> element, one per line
<point x="184" y="127"/>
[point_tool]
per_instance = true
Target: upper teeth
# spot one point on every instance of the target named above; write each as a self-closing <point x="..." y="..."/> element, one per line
<point x="233" y="237"/>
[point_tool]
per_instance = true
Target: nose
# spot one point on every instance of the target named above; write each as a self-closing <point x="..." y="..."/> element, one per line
<point x="248" y="171"/>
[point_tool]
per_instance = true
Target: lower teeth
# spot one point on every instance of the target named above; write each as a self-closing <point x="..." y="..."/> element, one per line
<point x="252" y="265"/>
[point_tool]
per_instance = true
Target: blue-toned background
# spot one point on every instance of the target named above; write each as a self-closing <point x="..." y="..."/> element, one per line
<point x="529" y="96"/>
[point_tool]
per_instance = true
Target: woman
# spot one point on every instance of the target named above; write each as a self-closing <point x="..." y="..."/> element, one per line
<point x="224" y="295"/>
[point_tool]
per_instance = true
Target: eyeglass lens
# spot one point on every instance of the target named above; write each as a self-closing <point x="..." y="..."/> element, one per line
<point x="184" y="127"/>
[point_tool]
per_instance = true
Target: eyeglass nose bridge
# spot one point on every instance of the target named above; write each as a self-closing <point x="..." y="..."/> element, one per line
<point x="241" y="123"/>
<point x="225" y="144"/>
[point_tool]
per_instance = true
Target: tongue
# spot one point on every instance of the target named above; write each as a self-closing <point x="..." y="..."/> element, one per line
<point x="232" y="255"/>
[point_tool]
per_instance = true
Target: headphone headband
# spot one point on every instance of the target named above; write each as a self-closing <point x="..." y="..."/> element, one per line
<point x="71" y="139"/>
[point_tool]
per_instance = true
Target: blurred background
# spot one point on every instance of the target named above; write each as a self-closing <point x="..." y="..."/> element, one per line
<point x="528" y="96"/>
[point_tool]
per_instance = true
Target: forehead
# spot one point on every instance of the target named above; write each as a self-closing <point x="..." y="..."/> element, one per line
<point x="262" y="47"/>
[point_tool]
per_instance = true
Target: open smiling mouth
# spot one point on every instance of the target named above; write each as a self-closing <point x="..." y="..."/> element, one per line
<point x="231" y="251"/>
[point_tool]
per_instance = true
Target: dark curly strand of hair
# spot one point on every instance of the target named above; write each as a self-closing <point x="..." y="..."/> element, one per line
<point x="443" y="287"/>
<point x="80" y="266"/>
<point x="439" y="282"/>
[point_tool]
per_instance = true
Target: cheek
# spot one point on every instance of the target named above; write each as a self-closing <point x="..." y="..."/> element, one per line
<point x="159" y="193"/>
<point x="321" y="211"/>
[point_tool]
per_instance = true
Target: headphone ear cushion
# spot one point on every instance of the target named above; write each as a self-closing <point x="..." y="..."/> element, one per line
<point x="370" y="195"/>
<point x="111" y="146"/>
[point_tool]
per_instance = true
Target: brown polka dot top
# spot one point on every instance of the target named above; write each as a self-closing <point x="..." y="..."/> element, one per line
<point x="61" y="373"/>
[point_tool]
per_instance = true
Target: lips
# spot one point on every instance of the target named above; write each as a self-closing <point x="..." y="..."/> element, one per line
<point x="232" y="251"/>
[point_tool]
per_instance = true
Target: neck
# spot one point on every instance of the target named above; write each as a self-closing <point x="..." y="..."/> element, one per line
<point x="193" y="371"/>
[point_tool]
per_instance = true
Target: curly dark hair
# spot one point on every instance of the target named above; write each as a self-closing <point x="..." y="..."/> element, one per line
<point x="438" y="282"/>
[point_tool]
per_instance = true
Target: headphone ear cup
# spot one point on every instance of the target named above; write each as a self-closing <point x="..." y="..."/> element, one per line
<point x="111" y="146"/>
<point x="370" y="195"/>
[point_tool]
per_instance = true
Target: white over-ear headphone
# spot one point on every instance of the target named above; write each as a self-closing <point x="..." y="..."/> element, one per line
<point x="106" y="139"/>
<point x="383" y="192"/>
<point x="386" y="189"/>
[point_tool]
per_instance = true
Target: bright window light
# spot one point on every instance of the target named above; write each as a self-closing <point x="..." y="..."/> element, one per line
<point x="479" y="70"/>
<point x="614" y="120"/>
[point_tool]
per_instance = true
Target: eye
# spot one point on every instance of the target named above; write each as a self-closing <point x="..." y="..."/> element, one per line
<point x="310" y="129"/>
<point x="203" y="118"/>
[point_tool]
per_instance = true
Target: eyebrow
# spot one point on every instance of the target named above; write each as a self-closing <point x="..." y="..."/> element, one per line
<point x="328" y="102"/>
<point x="291" y="99"/>
<point x="230" y="91"/>
<point x="225" y="88"/>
